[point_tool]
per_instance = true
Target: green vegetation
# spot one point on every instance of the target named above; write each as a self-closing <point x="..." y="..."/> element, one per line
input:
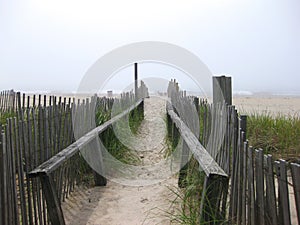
<point x="6" y="115"/>
<point x="172" y="137"/>
<point x="112" y="143"/>
<point x="135" y="119"/>
<point x="277" y="135"/>
<point x="117" y="149"/>
<point x="190" y="195"/>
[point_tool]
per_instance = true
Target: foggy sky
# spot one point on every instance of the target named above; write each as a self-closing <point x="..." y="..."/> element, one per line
<point x="49" y="45"/>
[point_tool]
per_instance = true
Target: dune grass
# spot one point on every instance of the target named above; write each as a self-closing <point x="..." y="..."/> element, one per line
<point x="114" y="146"/>
<point x="117" y="149"/>
<point x="135" y="119"/>
<point x="277" y="135"/>
<point x="189" y="198"/>
<point x="5" y="115"/>
<point x="190" y="195"/>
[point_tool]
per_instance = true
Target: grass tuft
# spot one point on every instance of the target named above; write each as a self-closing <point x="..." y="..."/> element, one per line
<point x="5" y="115"/>
<point x="113" y="144"/>
<point x="277" y="135"/>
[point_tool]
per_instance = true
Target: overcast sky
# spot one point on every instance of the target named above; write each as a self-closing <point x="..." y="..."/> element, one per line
<point x="49" y="45"/>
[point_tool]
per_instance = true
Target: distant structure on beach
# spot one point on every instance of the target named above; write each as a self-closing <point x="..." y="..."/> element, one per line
<point x="110" y="94"/>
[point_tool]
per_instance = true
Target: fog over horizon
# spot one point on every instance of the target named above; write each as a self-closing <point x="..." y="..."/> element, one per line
<point x="48" y="46"/>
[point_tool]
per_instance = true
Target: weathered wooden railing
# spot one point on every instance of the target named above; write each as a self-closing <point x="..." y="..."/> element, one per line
<point x="216" y="179"/>
<point x="256" y="189"/>
<point x="45" y="171"/>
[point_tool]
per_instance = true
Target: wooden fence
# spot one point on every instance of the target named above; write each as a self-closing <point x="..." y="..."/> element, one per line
<point x="263" y="191"/>
<point x="28" y="139"/>
<point x="242" y="185"/>
<point x="212" y="156"/>
<point x="7" y="101"/>
<point x="42" y="131"/>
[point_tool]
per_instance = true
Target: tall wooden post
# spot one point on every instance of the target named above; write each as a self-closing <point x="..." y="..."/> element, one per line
<point x="53" y="204"/>
<point x="222" y="90"/>
<point x="136" y="80"/>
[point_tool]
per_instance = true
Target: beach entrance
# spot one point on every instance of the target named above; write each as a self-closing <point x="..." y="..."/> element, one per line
<point x="146" y="176"/>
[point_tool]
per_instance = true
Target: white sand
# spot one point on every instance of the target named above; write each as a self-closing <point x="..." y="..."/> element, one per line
<point x="274" y="105"/>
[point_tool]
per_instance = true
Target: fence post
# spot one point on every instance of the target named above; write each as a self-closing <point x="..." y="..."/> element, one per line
<point x="214" y="186"/>
<point x="53" y="204"/>
<point x="222" y="90"/>
<point x="243" y="125"/>
<point x="196" y="102"/>
<point x="259" y="187"/>
<point x="136" y="80"/>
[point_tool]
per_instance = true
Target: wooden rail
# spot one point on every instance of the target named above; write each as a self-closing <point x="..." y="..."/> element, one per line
<point x="206" y="162"/>
<point x="58" y="159"/>
<point x="261" y="191"/>
<point x="45" y="170"/>
<point x="216" y="180"/>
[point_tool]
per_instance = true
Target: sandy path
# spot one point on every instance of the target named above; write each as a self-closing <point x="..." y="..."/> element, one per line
<point x="117" y="204"/>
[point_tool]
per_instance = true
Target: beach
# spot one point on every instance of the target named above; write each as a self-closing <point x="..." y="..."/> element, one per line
<point x="271" y="104"/>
